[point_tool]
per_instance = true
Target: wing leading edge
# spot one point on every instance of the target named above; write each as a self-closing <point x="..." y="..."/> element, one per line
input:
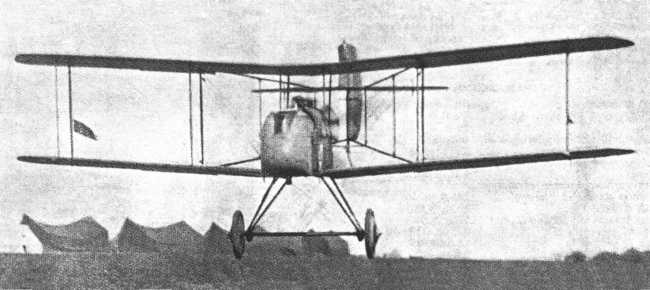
<point x="424" y="60"/>
<point x="471" y="163"/>
<point x="159" y="167"/>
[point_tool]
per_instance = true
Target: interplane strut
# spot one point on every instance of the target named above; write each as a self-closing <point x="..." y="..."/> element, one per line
<point x="70" y="113"/>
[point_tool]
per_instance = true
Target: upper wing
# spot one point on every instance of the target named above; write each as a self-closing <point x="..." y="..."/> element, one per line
<point x="209" y="170"/>
<point x="424" y="60"/>
<point x="470" y="163"/>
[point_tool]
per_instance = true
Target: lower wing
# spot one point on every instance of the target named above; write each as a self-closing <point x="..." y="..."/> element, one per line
<point x="470" y="163"/>
<point x="160" y="167"/>
<point x="335" y="173"/>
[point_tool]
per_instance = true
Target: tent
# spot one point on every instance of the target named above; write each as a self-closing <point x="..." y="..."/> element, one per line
<point x="328" y="246"/>
<point x="175" y="237"/>
<point x="217" y="242"/>
<point x="84" y="235"/>
<point x="286" y="246"/>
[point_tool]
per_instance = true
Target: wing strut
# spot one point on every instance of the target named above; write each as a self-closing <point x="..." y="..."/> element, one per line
<point x="365" y="117"/>
<point x="189" y="89"/>
<point x="70" y="113"/>
<point x="56" y="103"/>
<point x="329" y="113"/>
<point x="422" y="111"/>
<point x="568" y="120"/>
<point x="259" y="105"/>
<point x="394" y="120"/>
<point x="280" y="93"/>
<point x="417" y="116"/>
<point x="323" y="95"/>
<point x="347" y="127"/>
<point x="286" y="106"/>
<point x="201" y="116"/>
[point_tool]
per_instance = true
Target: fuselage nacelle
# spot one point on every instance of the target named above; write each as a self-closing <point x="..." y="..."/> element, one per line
<point x="296" y="142"/>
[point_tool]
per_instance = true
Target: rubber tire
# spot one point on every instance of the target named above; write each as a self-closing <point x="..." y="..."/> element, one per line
<point x="371" y="234"/>
<point x="236" y="234"/>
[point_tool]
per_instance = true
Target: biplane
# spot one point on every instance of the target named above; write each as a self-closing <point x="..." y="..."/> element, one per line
<point x="298" y="139"/>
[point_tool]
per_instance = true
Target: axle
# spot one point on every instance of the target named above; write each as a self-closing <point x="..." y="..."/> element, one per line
<point x="304" y="234"/>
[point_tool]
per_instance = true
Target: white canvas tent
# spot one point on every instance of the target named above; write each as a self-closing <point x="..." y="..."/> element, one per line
<point x="84" y="235"/>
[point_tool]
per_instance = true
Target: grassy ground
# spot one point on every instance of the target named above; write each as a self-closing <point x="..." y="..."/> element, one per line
<point x="128" y="271"/>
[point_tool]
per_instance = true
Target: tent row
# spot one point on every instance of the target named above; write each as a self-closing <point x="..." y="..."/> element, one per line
<point x="87" y="235"/>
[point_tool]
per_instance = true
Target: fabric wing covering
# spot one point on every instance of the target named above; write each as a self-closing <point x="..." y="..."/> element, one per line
<point x="84" y="235"/>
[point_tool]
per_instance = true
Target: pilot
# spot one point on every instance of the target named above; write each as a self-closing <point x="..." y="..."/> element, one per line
<point x="303" y="102"/>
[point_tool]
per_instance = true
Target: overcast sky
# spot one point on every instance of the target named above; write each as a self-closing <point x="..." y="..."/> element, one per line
<point x="524" y="211"/>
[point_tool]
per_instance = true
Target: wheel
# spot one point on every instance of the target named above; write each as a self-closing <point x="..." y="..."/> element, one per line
<point x="237" y="234"/>
<point x="371" y="235"/>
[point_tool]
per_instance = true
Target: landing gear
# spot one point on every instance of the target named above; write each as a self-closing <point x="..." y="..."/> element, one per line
<point x="236" y="234"/>
<point x="239" y="235"/>
<point x="371" y="235"/>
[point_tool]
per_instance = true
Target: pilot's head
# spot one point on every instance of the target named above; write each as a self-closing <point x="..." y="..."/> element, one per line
<point x="303" y="102"/>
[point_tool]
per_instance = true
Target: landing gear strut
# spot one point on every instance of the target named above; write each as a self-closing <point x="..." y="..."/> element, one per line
<point x="239" y="235"/>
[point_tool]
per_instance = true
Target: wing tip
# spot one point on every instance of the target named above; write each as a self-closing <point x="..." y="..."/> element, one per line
<point x="618" y="151"/>
<point x="24" y="158"/>
<point x="627" y="43"/>
<point x="618" y="42"/>
<point x="597" y="43"/>
<point x="37" y="59"/>
<point x="36" y="159"/>
<point x="21" y="58"/>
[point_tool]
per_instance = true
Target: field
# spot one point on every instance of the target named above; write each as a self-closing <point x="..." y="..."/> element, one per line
<point x="182" y="271"/>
